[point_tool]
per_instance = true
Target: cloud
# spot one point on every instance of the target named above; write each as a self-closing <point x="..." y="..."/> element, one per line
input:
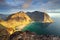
<point x="3" y="6"/>
<point x="2" y="0"/>
<point x="50" y="5"/>
<point x="43" y="5"/>
<point x="26" y="4"/>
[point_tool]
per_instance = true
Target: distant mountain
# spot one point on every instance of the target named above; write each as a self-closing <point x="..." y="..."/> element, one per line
<point x="40" y="17"/>
<point x="2" y="16"/>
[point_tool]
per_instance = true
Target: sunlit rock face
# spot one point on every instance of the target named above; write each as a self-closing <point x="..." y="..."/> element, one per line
<point x="16" y="21"/>
<point x="40" y="17"/>
<point x="47" y="19"/>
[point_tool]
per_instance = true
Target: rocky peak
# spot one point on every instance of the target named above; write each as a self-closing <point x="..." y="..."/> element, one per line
<point x="18" y="16"/>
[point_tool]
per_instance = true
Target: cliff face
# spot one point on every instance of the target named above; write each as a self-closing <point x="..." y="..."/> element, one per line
<point x="40" y="17"/>
<point x="47" y="19"/>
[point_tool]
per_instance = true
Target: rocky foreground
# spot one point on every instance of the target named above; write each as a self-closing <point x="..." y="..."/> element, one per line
<point x="31" y="36"/>
<point x="27" y="35"/>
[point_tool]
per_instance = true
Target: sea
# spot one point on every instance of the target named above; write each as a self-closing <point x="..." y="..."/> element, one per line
<point x="42" y="29"/>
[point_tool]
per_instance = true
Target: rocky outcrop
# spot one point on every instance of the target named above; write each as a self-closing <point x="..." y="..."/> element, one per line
<point x="4" y="35"/>
<point x="27" y="35"/>
<point x="47" y="19"/>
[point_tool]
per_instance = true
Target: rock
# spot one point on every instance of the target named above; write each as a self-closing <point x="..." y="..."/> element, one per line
<point x="19" y="35"/>
<point x="27" y="35"/>
<point x="4" y="35"/>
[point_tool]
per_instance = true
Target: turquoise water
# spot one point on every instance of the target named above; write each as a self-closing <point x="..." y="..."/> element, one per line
<point x="46" y="29"/>
<point x="37" y="27"/>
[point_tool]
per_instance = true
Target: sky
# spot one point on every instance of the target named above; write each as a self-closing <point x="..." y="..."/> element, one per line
<point x="11" y="6"/>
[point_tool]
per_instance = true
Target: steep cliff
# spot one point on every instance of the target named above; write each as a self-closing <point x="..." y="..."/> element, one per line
<point x="40" y="17"/>
<point x="47" y="19"/>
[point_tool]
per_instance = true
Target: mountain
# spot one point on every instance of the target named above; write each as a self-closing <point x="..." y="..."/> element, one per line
<point x="40" y="17"/>
<point x="2" y="16"/>
<point x="16" y="21"/>
<point x="19" y="16"/>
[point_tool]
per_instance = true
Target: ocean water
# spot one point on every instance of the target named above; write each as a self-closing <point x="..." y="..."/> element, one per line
<point x="46" y="29"/>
